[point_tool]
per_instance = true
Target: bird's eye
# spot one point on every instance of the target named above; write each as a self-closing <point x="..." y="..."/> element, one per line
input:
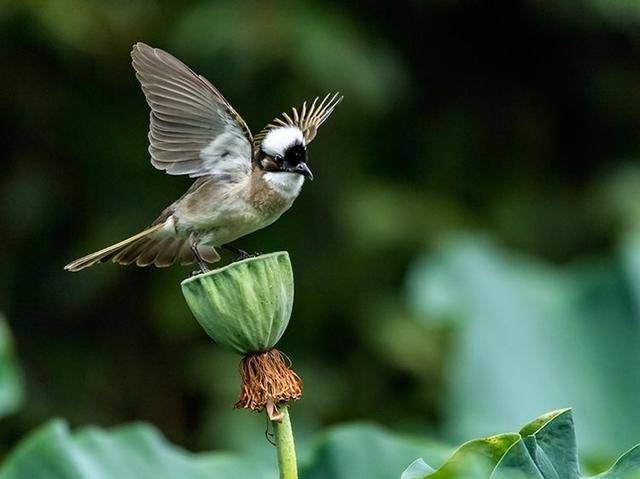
<point x="279" y="159"/>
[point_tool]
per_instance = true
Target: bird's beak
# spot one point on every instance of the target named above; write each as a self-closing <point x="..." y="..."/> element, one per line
<point x="304" y="170"/>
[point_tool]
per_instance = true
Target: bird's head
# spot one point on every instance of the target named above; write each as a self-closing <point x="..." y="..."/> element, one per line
<point x="285" y="151"/>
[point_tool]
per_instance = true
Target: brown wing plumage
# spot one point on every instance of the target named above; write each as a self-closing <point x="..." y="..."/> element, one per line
<point x="193" y="129"/>
<point x="308" y="119"/>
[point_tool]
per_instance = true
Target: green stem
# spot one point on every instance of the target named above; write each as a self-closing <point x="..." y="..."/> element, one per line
<point x="286" y="448"/>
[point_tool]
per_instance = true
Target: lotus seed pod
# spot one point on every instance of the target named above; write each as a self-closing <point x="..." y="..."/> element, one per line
<point x="244" y="306"/>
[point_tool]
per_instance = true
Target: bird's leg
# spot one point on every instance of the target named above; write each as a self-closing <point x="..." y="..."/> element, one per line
<point x="240" y="254"/>
<point x="196" y="255"/>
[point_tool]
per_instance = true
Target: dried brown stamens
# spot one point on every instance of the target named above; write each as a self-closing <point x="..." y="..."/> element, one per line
<point x="266" y="382"/>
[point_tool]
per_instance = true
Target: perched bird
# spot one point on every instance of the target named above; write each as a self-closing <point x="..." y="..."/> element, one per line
<point x="244" y="182"/>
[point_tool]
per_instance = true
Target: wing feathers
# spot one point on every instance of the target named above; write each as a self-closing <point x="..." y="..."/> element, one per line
<point x="193" y="129"/>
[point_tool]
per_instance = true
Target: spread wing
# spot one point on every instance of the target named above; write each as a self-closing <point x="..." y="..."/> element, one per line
<point x="308" y="119"/>
<point x="193" y="129"/>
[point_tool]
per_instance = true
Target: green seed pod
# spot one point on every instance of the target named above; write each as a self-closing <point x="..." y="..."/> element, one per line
<point x="244" y="306"/>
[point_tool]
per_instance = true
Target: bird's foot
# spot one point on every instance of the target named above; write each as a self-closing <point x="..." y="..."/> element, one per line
<point x="240" y="253"/>
<point x="244" y="255"/>
<point x="198" y="258"/>
<point x="203" y="269"/>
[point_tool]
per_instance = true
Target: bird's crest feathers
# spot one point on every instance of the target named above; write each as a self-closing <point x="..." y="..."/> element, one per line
<point x="307" y="119"/>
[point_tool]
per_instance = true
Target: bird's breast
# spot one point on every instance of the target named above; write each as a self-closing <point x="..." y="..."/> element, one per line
<point x="224" y="213"/>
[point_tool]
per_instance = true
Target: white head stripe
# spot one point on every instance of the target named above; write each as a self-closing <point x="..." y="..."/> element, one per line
<point x="279" y="139"/>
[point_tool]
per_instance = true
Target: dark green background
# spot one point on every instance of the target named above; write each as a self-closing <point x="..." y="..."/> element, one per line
<point x="515" y="119"/>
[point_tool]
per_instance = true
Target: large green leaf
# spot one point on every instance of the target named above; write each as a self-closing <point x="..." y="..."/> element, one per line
<point x="129" y="452"/>
<point x="473" y="460"/>
<point x="627" y="467"/>
<point x="547" y="448"/>
<point x="10" y="376"/>
<point x="530" y="337"/>
<point x="543" y="449"/>
<point x="476" y="459"/>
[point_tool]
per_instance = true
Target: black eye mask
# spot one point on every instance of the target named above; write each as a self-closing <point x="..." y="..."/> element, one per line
<point x="295" y="154"/>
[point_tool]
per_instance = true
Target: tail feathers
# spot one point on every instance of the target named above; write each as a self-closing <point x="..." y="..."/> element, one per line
<point x="163" y="252"/>
<point x="144" y="249"/>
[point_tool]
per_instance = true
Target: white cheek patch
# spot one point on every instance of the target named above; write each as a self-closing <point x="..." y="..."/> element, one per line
<point x="286" y="184"/>
<point x="279" y="139"/>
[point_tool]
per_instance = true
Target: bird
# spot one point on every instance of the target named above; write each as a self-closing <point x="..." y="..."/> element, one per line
<point x="243" y="182"/>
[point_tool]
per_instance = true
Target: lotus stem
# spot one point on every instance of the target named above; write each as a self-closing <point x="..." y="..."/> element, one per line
<point x="286" y="448"/>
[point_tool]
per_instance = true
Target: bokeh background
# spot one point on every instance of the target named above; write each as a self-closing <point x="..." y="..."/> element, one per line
<point x="467" y="258"/>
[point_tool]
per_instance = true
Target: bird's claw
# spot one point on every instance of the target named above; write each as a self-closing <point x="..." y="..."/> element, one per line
<point x="244" y="255"/>
<point x="199" y="271"/>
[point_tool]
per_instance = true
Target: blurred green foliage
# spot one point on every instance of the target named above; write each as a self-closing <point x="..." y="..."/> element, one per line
<point x="545" y="447"/>
<point x="520" y="119"/>
<point x="136" y="451"/>
<point x="530" y="336"/>
<point x="139" y="451"/>
<point x="11" y="387"/>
